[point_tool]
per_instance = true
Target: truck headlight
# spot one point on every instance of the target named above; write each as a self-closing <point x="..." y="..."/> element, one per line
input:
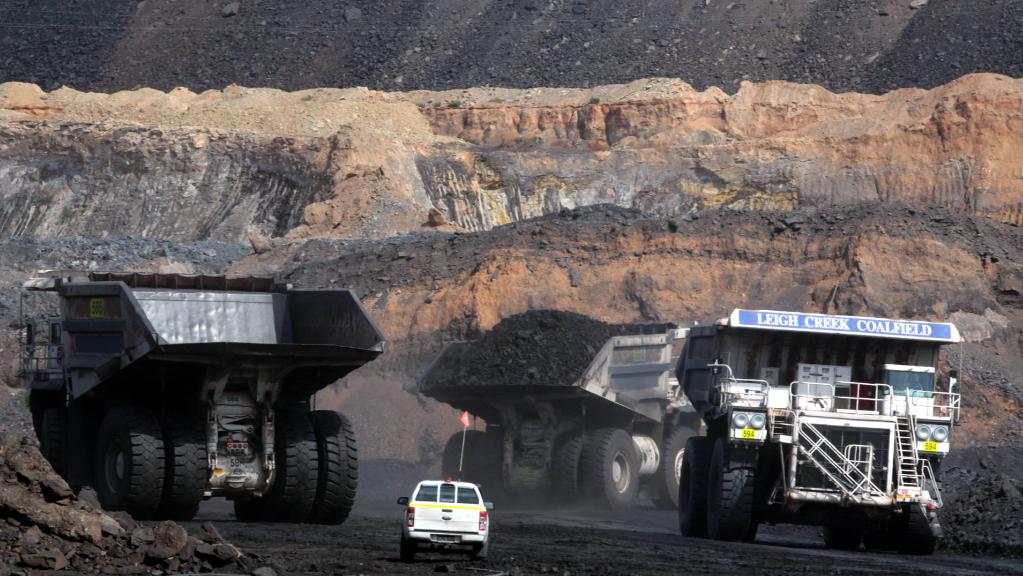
<point x="923" y="432"/>
<point x="757" y="421"/>
<point x="939" y="434"/>
<point x="740" y="419"/>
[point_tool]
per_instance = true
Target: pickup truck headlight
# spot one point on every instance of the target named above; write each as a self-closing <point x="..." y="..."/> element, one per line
<point x="757" y="421"/>
<point x="939" y="434"/>
<point x="923" y="432"/>
<point x="740" y="419"/>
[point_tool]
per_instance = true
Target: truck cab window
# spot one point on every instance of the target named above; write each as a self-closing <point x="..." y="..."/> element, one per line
<point x="467" y="496"/>
<point x="917" y="384"/>
<point x="447" y="493"/>
<point x="427" y="493"/>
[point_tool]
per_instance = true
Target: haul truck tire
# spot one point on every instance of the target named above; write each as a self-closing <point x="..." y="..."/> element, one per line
<point x="186" y="467"/>
<point x="130" y="462"/>
<point x="338" y="467"/>
<point x="692" y="489"/>
<point x="609" y="468"/>
<point x="669" y="475"/>
<point x="568" y="449"/>
<point x="730" y="496"/>
<point x="293" y="494"/>
<point x="52" y="434"/>
<point x="912" y="532"/>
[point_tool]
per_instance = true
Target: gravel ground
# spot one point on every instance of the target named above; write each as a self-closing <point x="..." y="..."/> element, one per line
<point x="873" y="45"/>
<point x="641" y="541"/>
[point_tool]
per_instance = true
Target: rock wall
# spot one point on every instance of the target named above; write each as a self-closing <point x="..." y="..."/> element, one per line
<point x="361" y="164"/>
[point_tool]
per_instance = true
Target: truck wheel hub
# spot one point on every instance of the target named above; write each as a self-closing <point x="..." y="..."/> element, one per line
<point x="114" y="467"/>
<point x="679" y="457"/>
<point x="620" y="472"/>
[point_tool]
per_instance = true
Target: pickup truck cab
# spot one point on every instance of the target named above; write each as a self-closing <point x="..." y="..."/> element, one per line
<point x="445" y="516"/>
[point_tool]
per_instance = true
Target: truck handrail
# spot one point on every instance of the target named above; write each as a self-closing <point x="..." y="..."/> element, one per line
<point x="740" y="391"/>
<point x="825" y="402"/>
<point x="854" y="402"/>
<point x="949" y="409"/>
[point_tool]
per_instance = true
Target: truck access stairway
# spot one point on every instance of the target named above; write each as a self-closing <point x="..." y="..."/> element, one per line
<point x="850" y="471"/>
<point x="909" y="463"/>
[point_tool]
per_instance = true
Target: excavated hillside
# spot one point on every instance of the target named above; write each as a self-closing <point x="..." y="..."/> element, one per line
<point x="868" y="45"/>
<point x="362" y="164"/>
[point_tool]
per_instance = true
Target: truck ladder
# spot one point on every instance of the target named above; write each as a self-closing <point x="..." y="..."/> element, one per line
<point x="909" y="463"/>
<point x="846" y="473"/>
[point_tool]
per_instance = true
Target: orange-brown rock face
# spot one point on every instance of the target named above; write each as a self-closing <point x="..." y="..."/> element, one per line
<point x="771" y="145"/>
<point x="361" y="164"/>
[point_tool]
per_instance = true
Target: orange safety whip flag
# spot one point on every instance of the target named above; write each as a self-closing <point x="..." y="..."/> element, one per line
<point x="465" y="419"/>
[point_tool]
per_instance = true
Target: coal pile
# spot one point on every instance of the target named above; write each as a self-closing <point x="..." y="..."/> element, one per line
<point x="45" y="526"/>
<point x="983" y="495"/>
<point x="536" y="348"/>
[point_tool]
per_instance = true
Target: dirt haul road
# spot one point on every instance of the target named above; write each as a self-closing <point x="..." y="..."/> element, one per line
<point x="639" y="541"/>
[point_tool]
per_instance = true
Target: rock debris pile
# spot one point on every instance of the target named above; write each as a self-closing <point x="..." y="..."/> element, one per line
<point x="45" y="526"/>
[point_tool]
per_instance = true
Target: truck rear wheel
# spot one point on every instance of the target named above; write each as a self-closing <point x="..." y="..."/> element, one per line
<point x="568" y="450"/>
<point x="730" y="497"/>
<point x="52" y="434"/>
<point x="130" y="462"/>
<point x="186" y="467"/>
<point x="669" y="475"/>
<point x="293" y="494"/>
<point x="338" y="467"/>
<point x="609" y="467"/>
<point x="692" y="489"/>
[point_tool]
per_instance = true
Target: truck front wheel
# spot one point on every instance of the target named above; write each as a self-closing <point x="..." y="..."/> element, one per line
<point x="912" y="532"/>
<point x="52" y="438"/>
<point x="730" y="497"/>
<point x="610" y="467"/>
<point x="692" y="488"/>
<point x="130" y="462"/>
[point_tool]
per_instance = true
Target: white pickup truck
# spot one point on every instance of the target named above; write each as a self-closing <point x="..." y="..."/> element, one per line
<point x="445" y="516"/>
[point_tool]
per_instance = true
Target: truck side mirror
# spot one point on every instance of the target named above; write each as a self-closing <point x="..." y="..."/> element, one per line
<point x="953" y="380"/>
<point x="403" y="500"/>
<point x="30" y="334"/>
<point x="716" y="369"/>
<point x="56" y="333"/>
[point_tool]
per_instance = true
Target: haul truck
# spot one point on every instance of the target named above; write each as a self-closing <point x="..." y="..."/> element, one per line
<point x="622" y="424"/>
<point x="837" y="421"/>
<point x="161" y="389"/>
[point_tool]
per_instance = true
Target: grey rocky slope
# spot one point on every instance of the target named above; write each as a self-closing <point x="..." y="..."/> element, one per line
<point x="870" y="45"/>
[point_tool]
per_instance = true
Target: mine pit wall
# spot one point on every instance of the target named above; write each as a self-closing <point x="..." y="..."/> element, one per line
<point x="175" y="185"/>
<point x="772" y="146"/>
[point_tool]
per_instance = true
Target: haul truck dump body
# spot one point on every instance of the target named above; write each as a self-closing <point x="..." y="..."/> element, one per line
<point x="621" y="423"/>
<point x="832" y="420"/>
<point x="160" y="389"/>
